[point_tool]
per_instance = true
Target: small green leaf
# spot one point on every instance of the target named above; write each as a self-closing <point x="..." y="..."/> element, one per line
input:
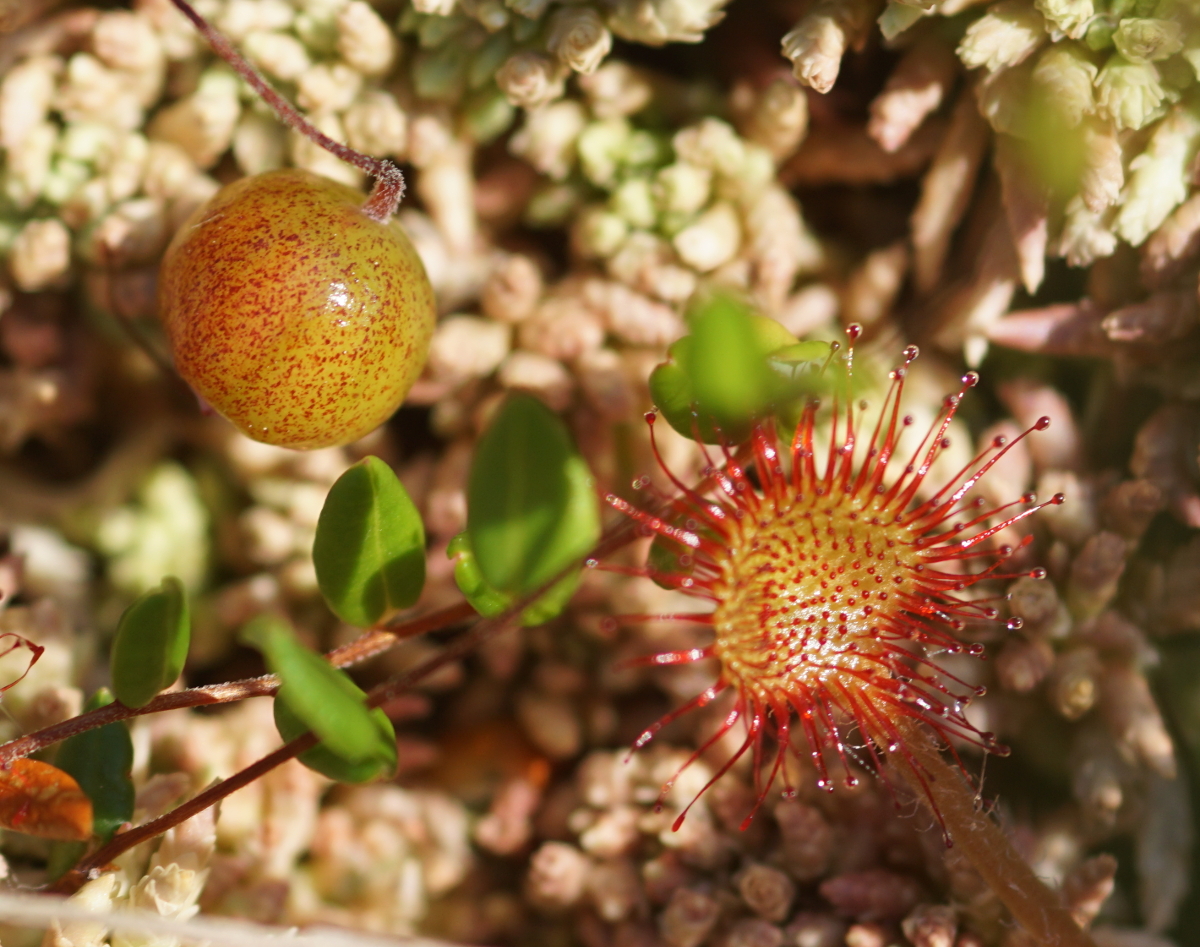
<point x="369" y="552"/>
<point x="100" y="760"/>
<point x="324" y="698"/>
<point x="531" y="506"/>
<point x="151" y="644"/>
<point x="327" y="763"/>
<point x="727" y="365"/>
<point x="672" y="393"/>
<point x="489" y="602"/>
<point x="735" y="368"/>
<point x="470" y="581"/>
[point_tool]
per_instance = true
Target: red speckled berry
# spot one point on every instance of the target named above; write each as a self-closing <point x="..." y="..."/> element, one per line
<point x="294" y="314"/>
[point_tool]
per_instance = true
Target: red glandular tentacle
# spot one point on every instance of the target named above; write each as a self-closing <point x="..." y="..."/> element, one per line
<point x="769" y="554"/>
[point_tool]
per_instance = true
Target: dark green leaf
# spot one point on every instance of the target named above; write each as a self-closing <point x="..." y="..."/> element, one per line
<point x="151" y="644"/>
<point x="324" y="698"/>
<point x="290" y="726"/>
<point x="531" y="507"/>
<point x="369" y="552"/>
<point x="100" y="760"/>
<point x="63" y="857"/>
<point x="489" y="602"/>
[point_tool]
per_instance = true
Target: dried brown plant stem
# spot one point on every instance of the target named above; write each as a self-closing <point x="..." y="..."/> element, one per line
<point x="371" y="643"/>
<point x="378" y="640"/>
<point x="389" y="186"/>
<point x="1032" y="905"/>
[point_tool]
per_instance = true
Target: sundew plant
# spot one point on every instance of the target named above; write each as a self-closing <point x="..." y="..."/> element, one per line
<point x="833" y="592"/>
<point x="716" y="624"/>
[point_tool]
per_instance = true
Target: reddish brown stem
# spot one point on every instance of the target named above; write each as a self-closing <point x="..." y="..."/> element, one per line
<point x="378" y="640"/>
<point x="84" y="871"/>
<point x="381" y="696"/>
<point x="389" y="186"/>
<point x="1034" y="906"/>
<point x="370" y="644"/>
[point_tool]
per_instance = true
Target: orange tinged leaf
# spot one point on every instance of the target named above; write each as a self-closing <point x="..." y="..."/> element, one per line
<point x="39" y="799"/>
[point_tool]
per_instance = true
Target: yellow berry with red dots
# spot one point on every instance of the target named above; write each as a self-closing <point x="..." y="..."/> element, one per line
<point x="294" y="314"/>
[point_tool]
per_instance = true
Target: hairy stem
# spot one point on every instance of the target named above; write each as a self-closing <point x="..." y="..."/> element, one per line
<point x="386" y="695"/>
<point x="122" y="842"/>
<point x="371" y="643"/>
<point x="1033" y="905"/>
<point x="389" y="186"/>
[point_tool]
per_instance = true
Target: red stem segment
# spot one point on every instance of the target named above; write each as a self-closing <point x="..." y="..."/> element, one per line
<point x="367" y="646"/>
<point x="388" y="693"/>
<point x="389" y="186"/>
<point x="385" y="695"/>
<point x="90" y="866"/>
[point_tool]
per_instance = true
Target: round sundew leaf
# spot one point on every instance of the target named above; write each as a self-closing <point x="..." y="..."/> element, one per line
<point x="735" y="368"/>
<point x="324" y="698"/>
<point x="151" y="644"/>
<point x="531" y="506"/>
<point x="100" y="761"/>
<point x="328" y="763"/>
<point x="489" y="602"/>
<point x="369" y="551"/>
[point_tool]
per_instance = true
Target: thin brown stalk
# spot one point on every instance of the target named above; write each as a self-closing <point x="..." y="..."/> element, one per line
<point x="378" y="640"/>
<point x="384" y="695"/>
<point x="381" y="696"/>
<point x="370" y="644"/>
<point x="389" y="181"/>
<point x="121" y="843"/>
<point x="935" y="781"/>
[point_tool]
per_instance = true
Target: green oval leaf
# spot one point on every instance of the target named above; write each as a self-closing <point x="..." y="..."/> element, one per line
<point x="151" y="644"/>
<point x="328" y="763"/>
<point x="470" y="581"/>
<point x="369" y="551"/>
<point x="490" y="602"/>
<point x="672" y="393"/>
<point x="531" y="506"/>
<point x="101" y="760"/>
<point x="727" y="365"/>
<point x="324" y="699"/>
<point x="735" y="368"/>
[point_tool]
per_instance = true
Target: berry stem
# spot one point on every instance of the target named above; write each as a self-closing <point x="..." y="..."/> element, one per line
<point x="389" y="186"/>
<point x="400" y="706"/>
<point x="1034" y="906"/>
